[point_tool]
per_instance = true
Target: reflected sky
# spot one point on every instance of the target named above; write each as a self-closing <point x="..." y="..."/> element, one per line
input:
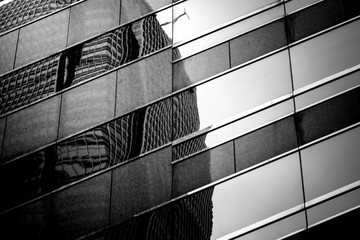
<point x="195" y="16"/>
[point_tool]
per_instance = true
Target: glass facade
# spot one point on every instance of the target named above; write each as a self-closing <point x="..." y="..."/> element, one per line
<point x="168" y="120"/>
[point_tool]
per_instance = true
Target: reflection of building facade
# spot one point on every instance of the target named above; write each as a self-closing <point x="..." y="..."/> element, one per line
<point x="105" y="180"/>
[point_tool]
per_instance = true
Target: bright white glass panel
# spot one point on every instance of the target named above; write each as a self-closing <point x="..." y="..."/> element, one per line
<point x="230" y="31"/>
<point x="249" y="123"/>
<point x="195" y="16"/>
<point x="243" y="89"/>
<point x="327" y="90"/>
<point x="326" y="54"/>
<point x="331" y="164"/>
<point x="334" y="207"/>
<point x="256" y="195"/>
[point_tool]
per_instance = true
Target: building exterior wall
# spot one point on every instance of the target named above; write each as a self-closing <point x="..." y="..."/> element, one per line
<point x="160" y="120"/>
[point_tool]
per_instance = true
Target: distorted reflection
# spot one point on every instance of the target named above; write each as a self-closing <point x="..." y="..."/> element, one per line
<point x="219" y="210"/>
<point x="84" y="61"/>
<point x="14" y="13"/>
<point x="196" y="16"/>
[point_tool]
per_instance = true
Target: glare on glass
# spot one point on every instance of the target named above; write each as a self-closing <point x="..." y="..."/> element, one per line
<point x="195" y="16"/>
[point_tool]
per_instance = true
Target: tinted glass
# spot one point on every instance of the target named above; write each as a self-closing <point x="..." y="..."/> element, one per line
<point x="325" y="55"/>
<point x="331" y="164"/>
<point x="294" y="5"/>
<point x="195" y="16"/>
<point x="230" y="31"/>
<point x="330" y="116"/>
<point x="7" y="49"/>
<point x="267" y="39"/>
<point x="327" y="90"/>
<point x="235" y="92"/>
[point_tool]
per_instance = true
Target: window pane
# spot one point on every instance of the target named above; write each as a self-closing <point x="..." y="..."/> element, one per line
<point x="328" y="117"/>
<point x="267" y="39"/>
<point x="7" y="49"/>
<point x="331" y="164"/>
<point x="278" y="229"/>
<point x="327" y="90"/>
<point x="333" y="207"/>
<point x="294" y="5"/>
<point x="195" y="16"/>
<point x="247" y="199"/>
<point x="230" y="31"/>
<point x="265" y="143"/>
<point x="326" y="55"/>
<point x="203" y="168"/>
<point x="235" y="91"/>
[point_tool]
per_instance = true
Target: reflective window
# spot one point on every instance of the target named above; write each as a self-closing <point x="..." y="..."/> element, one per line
<point x="130" y="9"/>
<point x="7" y="49"/>
<point x="265" y="143"/>
<point x="42" y="38"/>
<point x="294" y="5"/>
<point x="325" y="55"/>
<point x="278" y="229"/>
<point x="195" y="16"/>
<point x="228" y="32"/>
<point x="221" y="209"/>
<point x="17" y="12"/>
<point x="327" y="90"/>
<point x="331" y="164"/>
<point x="328" y="117"/>
<point x="201" y="66"/>
<point x="233" y="93"/>
<point x="203" y="168"/>
<point x="232" y="130"/>
<point x="333" y="207"/>
<point x="267" y="39"/>
<point x="315" y="19"/>
<point x="92" y="17"/>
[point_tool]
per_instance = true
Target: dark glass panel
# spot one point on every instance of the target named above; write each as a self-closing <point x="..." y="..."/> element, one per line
<point x="19" y="12"/>
<point x="141" y="184"/>
<point x="81" y="208"/>
<point x="257" y="43"/>
<point x="352" y="8"/>
<point x="2" y="134"/>
<point x="265" y="143"/>
<point x="42" y="38"/>
<point x="131" y="9"/>
<point x="203" y="169"/>
<point x="31" y="128"/>
<point x="201" y="66"/>
<point x="114" y="142"/>
<point x="315" y="19"/>
<point x="92" y="103"/>
<point x="343" y="227"/>
<point x="329" y="116"/>
<point x="143" y="81"/>
<point x="92" y="17"/>
<point x="29" y="84"/>
<point x="27" y="178"/>
<point x="221" y="209"/>
<point x="7" y="49"/>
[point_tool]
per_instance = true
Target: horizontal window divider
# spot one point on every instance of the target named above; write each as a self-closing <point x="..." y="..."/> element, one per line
<point x="322" y="32"/>
<point x="87" y="177"/>
<point x="228" y="39"/>
<point x="263" y="223"/>
<point x="87" y="81"/>
<point x="302" y="8"/>
<point x="331" y="135"/>
<point x="235" y="118"/>
<point x="231" y="70"/>
<point x="224" y="25"/>
<point x="327" y="80"/>
<point x="230" y="138"/>
<point x="85" y="40"/>
<point x="40" y="18"/>
<point x="334" y="216"/>
<point x="333" y="194"/>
